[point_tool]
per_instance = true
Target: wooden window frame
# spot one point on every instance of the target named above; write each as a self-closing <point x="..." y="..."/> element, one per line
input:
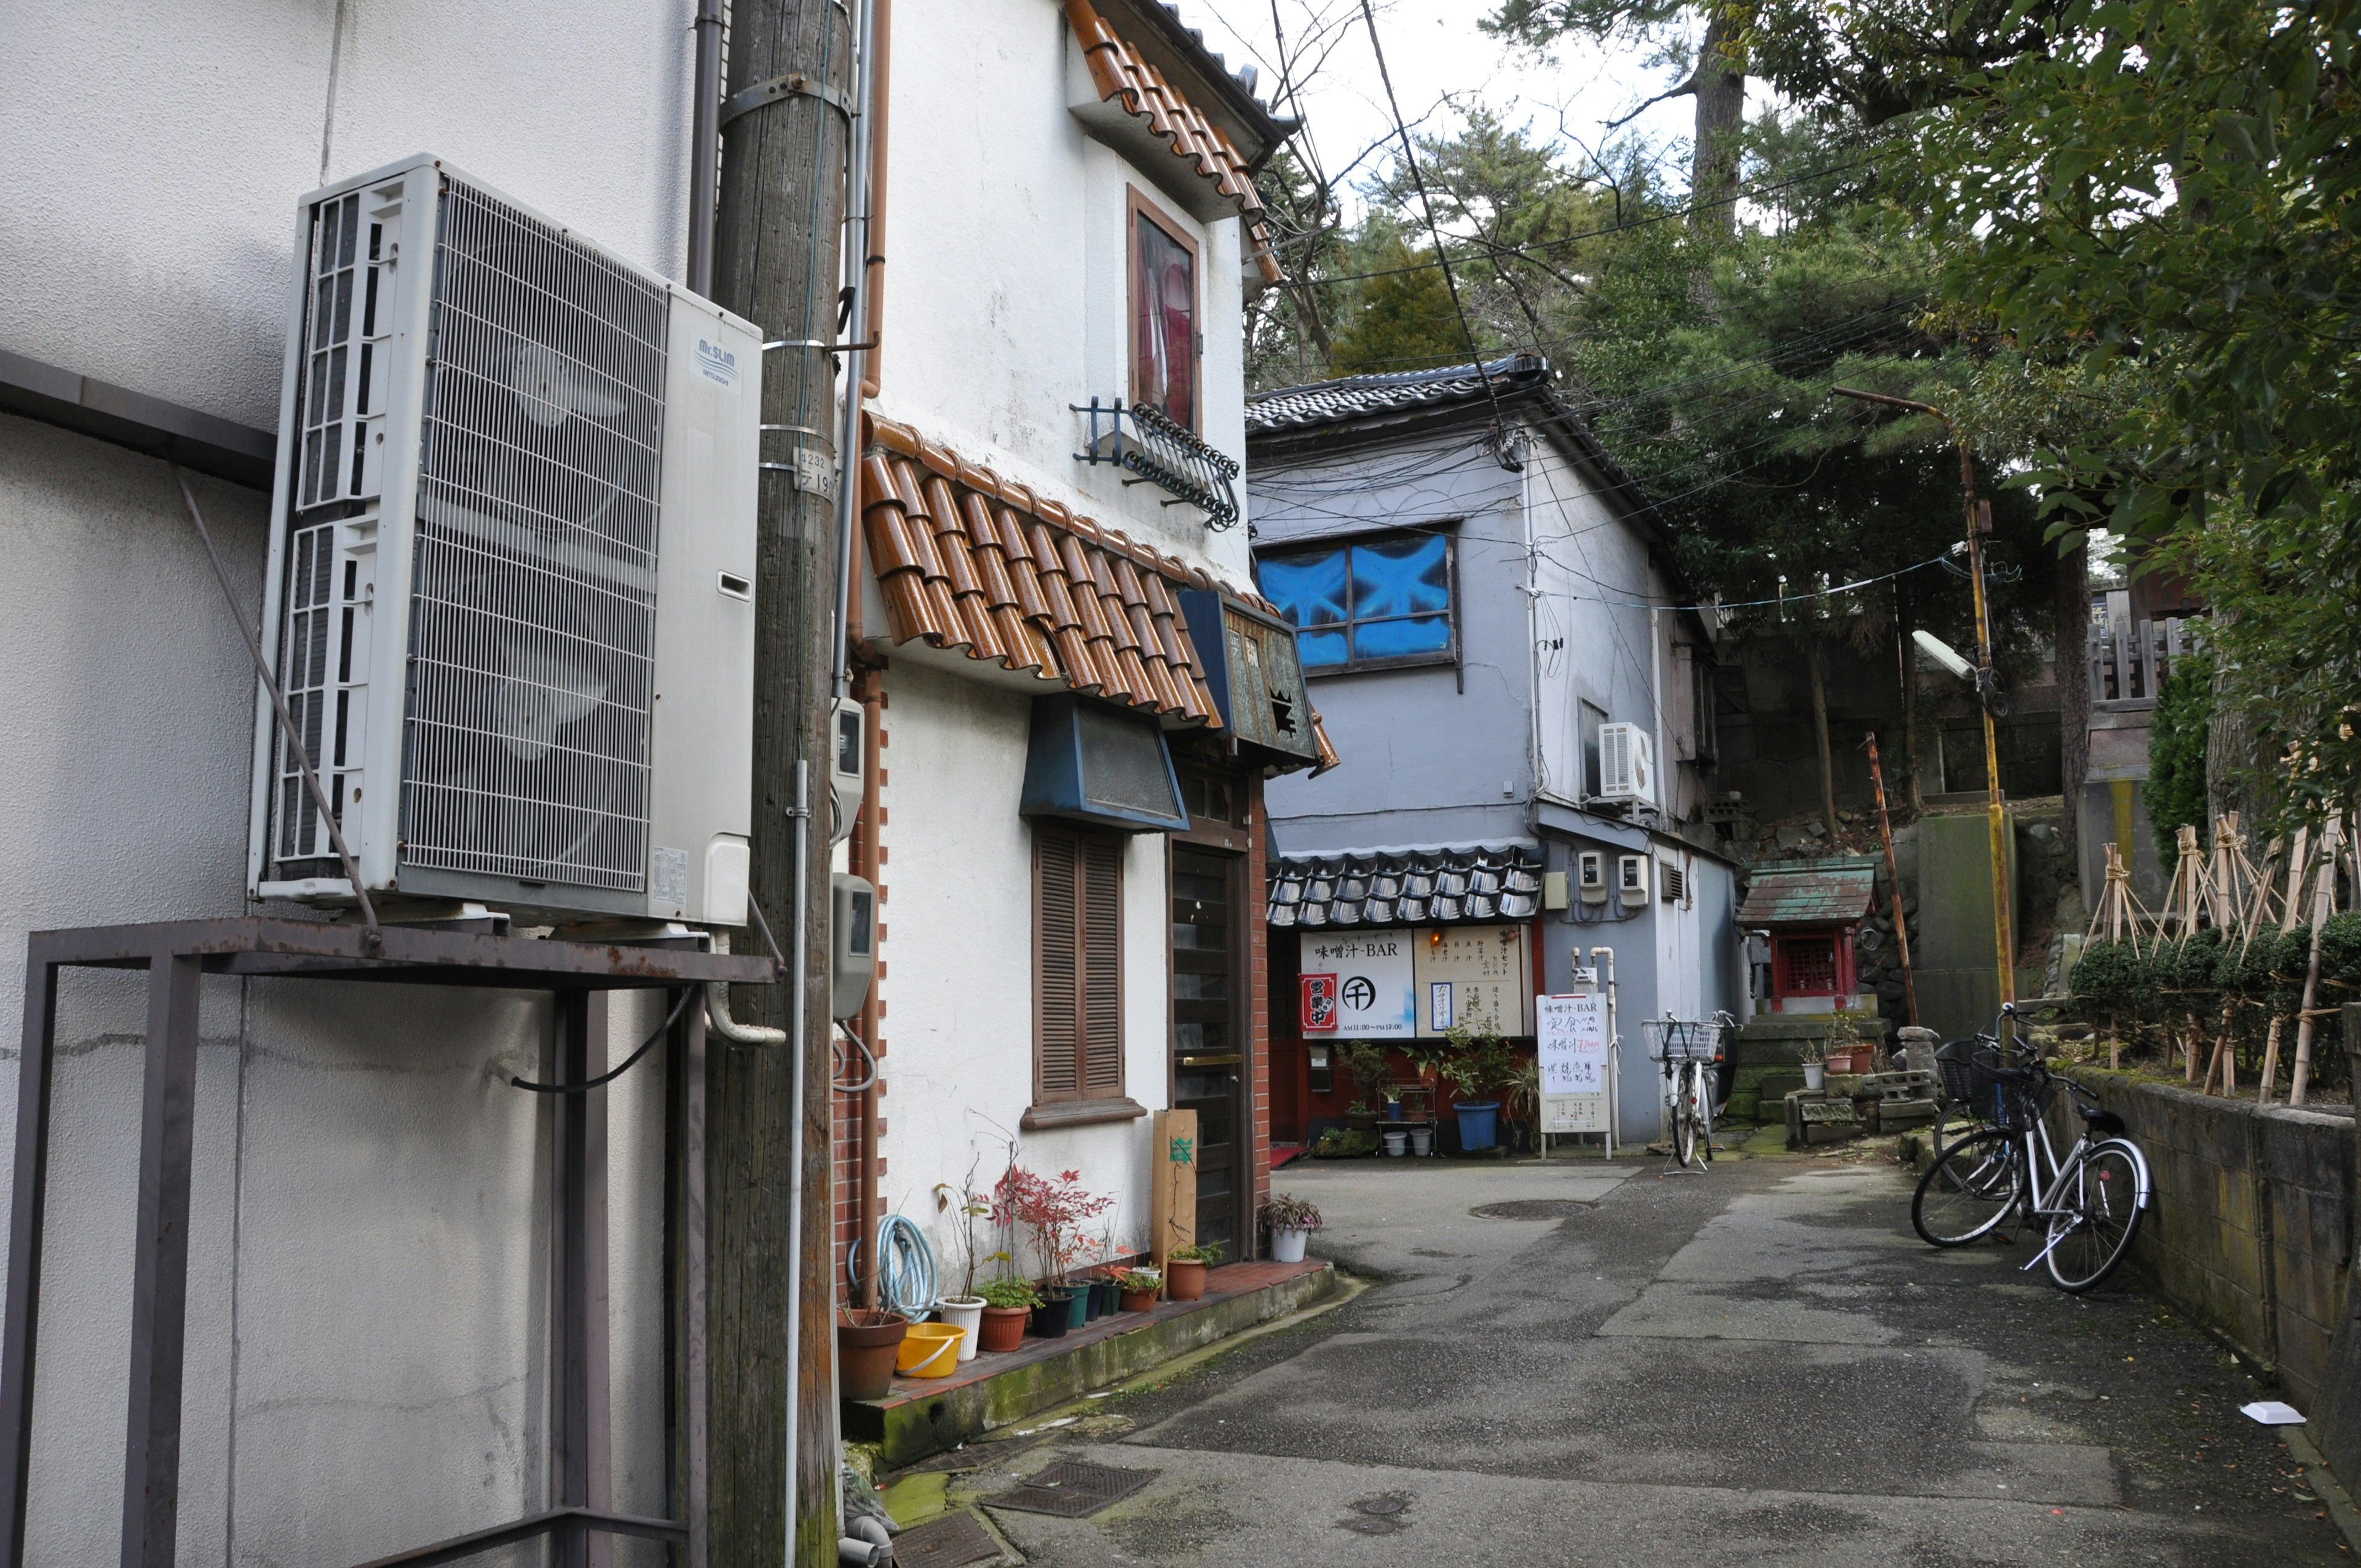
<point x="1083" y="1102"/>
<point x="1135" y="207"/>
<point x="1448" y="529"/>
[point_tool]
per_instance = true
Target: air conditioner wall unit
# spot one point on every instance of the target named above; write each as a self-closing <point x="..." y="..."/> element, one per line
<point x="1626" y="768"/>
<point x="510" y="582"/>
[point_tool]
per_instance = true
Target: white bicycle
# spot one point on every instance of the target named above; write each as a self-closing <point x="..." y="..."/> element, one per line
<point x="1691" y="1052"/>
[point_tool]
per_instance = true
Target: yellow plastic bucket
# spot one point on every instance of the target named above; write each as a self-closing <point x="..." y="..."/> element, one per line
<point x="929" y="1350"/>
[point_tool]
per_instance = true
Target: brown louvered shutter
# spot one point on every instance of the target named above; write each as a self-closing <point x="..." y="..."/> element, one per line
<point x="1103" y="967"/>
<point x="1057" y="966"/>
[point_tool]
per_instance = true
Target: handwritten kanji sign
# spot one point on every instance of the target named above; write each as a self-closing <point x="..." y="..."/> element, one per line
<point x="1572" y="1040"/>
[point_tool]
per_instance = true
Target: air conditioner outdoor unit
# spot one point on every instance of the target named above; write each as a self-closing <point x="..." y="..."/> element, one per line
<point x="510" y="585"/>
<point x="1626" y="770"/>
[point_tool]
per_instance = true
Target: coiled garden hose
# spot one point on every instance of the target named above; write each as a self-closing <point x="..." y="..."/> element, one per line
<point x="906" y="1275"/>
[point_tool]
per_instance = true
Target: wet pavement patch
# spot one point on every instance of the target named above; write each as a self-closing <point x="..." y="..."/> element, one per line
<point x="1533" y="1209"/>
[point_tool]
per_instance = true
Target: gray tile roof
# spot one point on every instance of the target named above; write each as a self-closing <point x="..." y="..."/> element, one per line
<point x="1405" y="887"/>
<point x="1359" y="397"/>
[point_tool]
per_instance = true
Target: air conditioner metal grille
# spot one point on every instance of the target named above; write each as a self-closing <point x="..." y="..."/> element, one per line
<point x="532" y="617"/>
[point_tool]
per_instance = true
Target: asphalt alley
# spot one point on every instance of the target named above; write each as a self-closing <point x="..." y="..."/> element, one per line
<point x="1602" y="1363"/>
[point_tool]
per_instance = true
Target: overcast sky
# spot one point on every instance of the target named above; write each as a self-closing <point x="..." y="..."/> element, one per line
<point x="1438" y="55"/>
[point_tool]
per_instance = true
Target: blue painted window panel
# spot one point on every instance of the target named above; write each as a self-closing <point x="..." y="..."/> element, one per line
<point x="1316" y="649"/>
<point x="1400" y="577"/>
<point x="1308" y="588"/>
<point x="1364" y="603"/>
<point x="1401" y="638"/>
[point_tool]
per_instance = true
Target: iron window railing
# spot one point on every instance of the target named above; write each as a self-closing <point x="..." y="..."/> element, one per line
<point x="1147" y="443"/>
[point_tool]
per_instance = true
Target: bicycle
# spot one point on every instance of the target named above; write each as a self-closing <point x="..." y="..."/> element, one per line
<point x="1689" y="1051"/>
<point x="1959" y="1114"/>
<point x="2091" y="1199"/>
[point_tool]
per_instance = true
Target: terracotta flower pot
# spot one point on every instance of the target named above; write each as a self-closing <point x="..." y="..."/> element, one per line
<point x="1139" y="1300"/>
<point x="1003" y="1327"/>
<point x="1184" y="1281"/>
<point x="867" y="1341"/>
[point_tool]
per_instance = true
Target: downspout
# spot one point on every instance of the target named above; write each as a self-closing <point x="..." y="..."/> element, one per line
<point x="705" y="149"/>
<point x="881" y="121"/>
<point x="857" y="202"/>
<point x="1532" y="656"/>
<point x="867" y="862"/>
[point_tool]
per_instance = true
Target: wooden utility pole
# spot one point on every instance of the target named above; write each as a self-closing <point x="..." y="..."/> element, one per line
<point x="1813" y="665"/>
<point x="785" y="132"/>
<point x="1892" y="880"/>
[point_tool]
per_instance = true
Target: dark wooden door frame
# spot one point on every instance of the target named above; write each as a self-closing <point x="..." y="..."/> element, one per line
<point x="1230" y="842"/>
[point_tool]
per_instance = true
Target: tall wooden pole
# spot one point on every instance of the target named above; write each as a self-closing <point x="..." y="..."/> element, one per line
<point x="775" y="260"/>
<point x="1892" y="880"/>
<point x="1979" y="516"/>
<point x="1813" y="667"/>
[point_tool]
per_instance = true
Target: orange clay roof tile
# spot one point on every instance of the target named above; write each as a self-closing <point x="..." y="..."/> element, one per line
<point x="1118" y="70"/>
<point x="969" y="561"/>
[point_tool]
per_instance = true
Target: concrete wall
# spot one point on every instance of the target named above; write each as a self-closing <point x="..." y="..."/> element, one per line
<point x="2251" y="1226"/>
<point x="366" y="1365"/>
<point x="1952" y="956"/>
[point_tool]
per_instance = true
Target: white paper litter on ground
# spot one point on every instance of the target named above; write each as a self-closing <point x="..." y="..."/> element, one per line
<point x="2271" y="1413"/>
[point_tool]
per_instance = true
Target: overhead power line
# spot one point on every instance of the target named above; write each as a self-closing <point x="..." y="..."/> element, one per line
<point x="1410" y="159"/>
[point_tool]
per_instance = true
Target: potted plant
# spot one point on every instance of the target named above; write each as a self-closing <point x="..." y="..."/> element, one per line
<point x="867" y="1341"/>
<point x="1366" y="1061"/>
<point x="1184" y="1271"/>
<point x="1105" y="1295"/>
<point x="1393" y="1103"/>
<point x="1008" y="1303"/>
<point x="1054" y="1211"/>
<point x="1138" y="1285"/>
<point x="1291" y="1221"/>
<point x="964" y="1311"/>
<point x="1477" y="1061"/>
<point x="1816" y="1067"/>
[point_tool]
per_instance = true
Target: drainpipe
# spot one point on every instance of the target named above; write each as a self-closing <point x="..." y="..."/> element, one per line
<point x="866" y="862"/>
<point x="1614" y="1048"/>
<point x="858" y="198"/>
<point x="704" y="148"/>
<point x="881" y="120"/>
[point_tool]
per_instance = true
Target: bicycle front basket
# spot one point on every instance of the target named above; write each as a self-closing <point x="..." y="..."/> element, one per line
<point x="1673" y="1040"/>
<point x="1955" y="1067"/>
<point x="2011" y="1096"/>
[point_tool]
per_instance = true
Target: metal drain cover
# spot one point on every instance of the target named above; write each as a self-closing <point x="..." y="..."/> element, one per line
<point x="955" y="1540"/>
<point x="1533" y="1209"/>
<point x="1071" y="1489"/>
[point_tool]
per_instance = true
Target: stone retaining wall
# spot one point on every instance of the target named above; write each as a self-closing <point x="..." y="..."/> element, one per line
<point x="2250" y="1228"/>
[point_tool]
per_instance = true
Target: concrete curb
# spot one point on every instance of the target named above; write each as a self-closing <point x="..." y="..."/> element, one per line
<point x="2324" y="1482"/>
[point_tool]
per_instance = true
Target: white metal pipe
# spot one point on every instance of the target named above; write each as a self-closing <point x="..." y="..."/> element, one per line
<point x="797" y="966"/>
<point x="1614" y="1050"/>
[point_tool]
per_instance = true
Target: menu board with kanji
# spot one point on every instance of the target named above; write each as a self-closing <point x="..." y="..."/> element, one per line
<point x="1476" y="977"/>
<point x="1571" y="1039"/>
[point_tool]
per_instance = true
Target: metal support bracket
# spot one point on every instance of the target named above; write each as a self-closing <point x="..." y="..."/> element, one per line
<point x="792" y="84"/>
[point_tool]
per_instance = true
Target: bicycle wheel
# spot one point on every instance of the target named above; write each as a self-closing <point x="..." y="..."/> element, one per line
<point x="1685" y="1128"/>
<point x="1954" y="1123"/>
<point x="1968" y="1192"/>
<point x="2105" y="1215"/>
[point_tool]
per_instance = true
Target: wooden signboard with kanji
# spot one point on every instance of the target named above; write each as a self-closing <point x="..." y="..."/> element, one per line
<point x="1172" y="1203"/>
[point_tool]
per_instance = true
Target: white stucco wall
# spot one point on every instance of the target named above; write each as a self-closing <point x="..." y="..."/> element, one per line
<point x="366" y="1357"/>
<point x="1007" y="279"/>
<point x="1007" y="300"/>
<point x="959" y="952"/>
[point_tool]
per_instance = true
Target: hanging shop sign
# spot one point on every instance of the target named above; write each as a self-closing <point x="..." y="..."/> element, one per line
<point x="1476" y="977"/>
<point x="1360" y="986"/>
<point x="1571" y="1040"/>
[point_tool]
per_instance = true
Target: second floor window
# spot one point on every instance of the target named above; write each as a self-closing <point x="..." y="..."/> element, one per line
<point x="1367" y="605"/>
<point x="1163" y="316"/>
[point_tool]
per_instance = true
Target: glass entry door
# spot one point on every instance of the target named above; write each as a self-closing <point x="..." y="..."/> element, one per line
<point x="1207" y="1055"/>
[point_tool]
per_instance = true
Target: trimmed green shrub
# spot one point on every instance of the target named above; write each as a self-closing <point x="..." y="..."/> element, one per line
<point x="2188" y="965"/>
<point x="2340" y="947"/>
